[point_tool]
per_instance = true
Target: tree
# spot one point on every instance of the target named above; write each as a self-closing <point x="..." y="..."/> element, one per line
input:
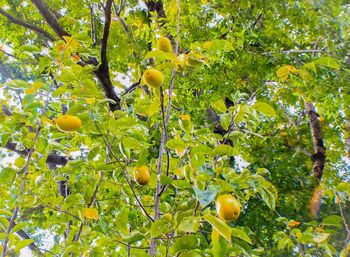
<point x="254" y="104"/>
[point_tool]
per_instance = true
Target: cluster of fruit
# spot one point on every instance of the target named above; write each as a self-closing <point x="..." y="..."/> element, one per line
<point x="227" y="206"/>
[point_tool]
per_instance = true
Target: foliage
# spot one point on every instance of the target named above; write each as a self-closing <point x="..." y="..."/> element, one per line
<point x="229" y="119"/>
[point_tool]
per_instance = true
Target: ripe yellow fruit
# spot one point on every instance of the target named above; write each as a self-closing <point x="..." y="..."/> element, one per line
<point x="153" y="78"/>
<point x="227" y="207"/>
<point x="163" y="44"/>
<point x="68" y="123"/>
<point x="141" y="175"/>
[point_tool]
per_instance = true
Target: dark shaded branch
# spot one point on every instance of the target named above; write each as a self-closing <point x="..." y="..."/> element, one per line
<point x="13" y="147"/>
<point x="132" y="87"/>
<point x="102" y="73"/>
<point x="319" y="155"/>
<point x="156" y="6"/>
<point x="33" y="247"/>
<point x="26" y="25"/>
<point x="50" y="18"/>
<point x="104" y="40"/>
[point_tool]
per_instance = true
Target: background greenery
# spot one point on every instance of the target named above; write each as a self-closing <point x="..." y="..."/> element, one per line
<point x="242" y="73"/>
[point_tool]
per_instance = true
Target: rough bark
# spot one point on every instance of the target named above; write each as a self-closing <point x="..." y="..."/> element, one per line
<point x="319" y="155"/>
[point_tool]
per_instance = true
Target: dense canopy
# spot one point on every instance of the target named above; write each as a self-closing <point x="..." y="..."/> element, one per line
<point x="123" y="122"/>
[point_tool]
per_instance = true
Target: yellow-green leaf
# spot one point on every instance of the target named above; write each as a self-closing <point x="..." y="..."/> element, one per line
<point x="219" y="225"/>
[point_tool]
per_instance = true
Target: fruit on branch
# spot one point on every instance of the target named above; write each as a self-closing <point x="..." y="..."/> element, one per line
<point x="141" y="175"/>
<point x="163" y="44"/>
<point x="153" y="78"/>
<point x="68" y="123"/>
<point x="227" y="207"/>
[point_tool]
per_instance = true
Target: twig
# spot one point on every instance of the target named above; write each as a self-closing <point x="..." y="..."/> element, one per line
<point x="347" y="229"/>
<point x="135" y="247"/>
<point x="123" y="169"/>
<point x="152" y="251"/>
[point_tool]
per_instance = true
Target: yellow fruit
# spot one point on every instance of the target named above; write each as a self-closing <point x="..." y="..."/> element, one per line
<point x="68" y="123"/>
<point x="227" y="207"/>
<point x="141" y="175"/>
<point x="163" y="44"/>
<point x="153" y="78"/>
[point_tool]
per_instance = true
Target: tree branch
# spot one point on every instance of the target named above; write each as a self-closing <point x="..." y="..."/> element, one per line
<point x="33" y="247"/>
<point x="24" y="24"/>
<point x="319" y="155"/>
<point x="102" y="73"/>
<point x="50" y="18"/>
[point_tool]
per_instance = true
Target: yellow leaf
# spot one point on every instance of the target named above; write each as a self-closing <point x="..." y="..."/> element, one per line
<point x="319" y="238"/>
<point x="90" y="213"/>
<point x="294" y="223"/>
<point x="291" y="68"/>
<point x="71" y="43"/>
<point x="208" y="44"/>
<point x="283" y="73"/>
<point x="91" y="100"/>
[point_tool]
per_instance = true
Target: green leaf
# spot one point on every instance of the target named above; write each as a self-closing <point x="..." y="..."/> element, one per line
<point x="186" y="242"/>
<point x="17" y="84"/>
<point x="131" y="143"/>
<point x="223" y="150"/>
<point x="205" y="197"/>
<point x="219" y="106"/>
<point x="30" y="49"/>
<point x="332" y="220"/>
<point x="236" y="232"/>
<point x="23" y="244"/>
<point x="175" y="143"/>
<point x="134" y="237"/>
<point x="264" y="108"/>
<point x="20" y="162"/>
<point x="7" y="175"/>
<point x="161" y="55"/>
<point x="19" y="226"/>
<point x="158" y="228"/>
<point x="5" y="212"/>
<point x="4" y="223"/>
<point x="328" y="62"/>
<point x="220" y="245"/>
<point x="189" y="225"/>
<point x="310" y="66"/>
<point x="225" y="120"/>
<point x="165" y="180"/>
<point x="219" y="225"/>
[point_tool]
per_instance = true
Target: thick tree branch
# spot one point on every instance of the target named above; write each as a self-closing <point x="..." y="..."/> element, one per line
<point x="319" y="155"/>
<point x="24" y="24"/>
<point x="49" y="17"/>
<point x="102" y="73"/>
